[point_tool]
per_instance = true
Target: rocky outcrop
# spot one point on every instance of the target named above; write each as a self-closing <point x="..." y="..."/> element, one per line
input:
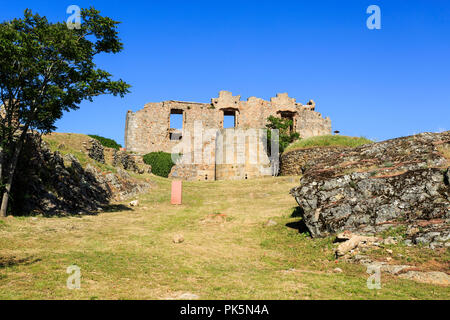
<point x="398" y="182"/>
<point x="95" y="150"/>
<point x="295" y="162"/>
<point x="48" y="183"/>
<point x="117" y="158"/>
<point x="130" y="162"/>
<point x="352" y="248"/>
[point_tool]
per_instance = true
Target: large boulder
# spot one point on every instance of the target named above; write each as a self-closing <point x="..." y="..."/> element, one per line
<point x="368" y="189"/>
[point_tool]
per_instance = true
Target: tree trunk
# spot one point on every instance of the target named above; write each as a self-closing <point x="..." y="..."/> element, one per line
<point x="1" y="176"/>
<point x="10" y="172"/>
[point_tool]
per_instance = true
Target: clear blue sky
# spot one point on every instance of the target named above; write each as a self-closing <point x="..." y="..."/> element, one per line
<point x="376" y="83"/>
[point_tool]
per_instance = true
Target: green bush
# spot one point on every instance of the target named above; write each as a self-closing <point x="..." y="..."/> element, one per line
<point x="161" y="163"/>
<point x="106" y="142"/>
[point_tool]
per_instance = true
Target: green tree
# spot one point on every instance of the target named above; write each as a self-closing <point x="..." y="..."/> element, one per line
<point x="286" y="135"/>
<point x="47" y="69"/>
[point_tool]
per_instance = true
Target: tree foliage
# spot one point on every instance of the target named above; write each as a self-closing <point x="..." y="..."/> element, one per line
<point x="47" y="69"/>
<point x="286" y="135"/>
<point x="106" y="142"/>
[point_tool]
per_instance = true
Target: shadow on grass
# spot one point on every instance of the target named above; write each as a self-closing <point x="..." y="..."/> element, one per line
<point x="297" y="213"/>
<point x="298" y="225"/>
<point x="13" y="261"/>
<point x="116" y="208"/>
<point x="81" y="213"/>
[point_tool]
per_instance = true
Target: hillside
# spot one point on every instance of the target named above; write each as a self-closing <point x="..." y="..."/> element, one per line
<point x="242" y="240"/>
<point x="72" y="174"/>
<point x="328" y="140"/>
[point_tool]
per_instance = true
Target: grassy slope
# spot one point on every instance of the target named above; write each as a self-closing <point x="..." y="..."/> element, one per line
<point x="130" y="254"/>
<point x="73" y="143"/>
<point x="328" y="140"/>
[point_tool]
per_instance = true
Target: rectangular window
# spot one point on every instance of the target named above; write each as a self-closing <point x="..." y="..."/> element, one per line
<point x="176" y="119"/>
<point x="229" y="119"/>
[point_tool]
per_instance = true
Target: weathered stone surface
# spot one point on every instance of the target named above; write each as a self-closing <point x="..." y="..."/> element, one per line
<point x="402" y="271"/>
<point x="242" y="166"/>
<point x="296" y="162"/>
<point x="50" y="184"/>
<point x="373" y="187"/>
<point x="95" y="150"/>
<point x="433" y="277"/>
<point x="178" y="238"/>
<point x="130" y="162"/>
<point x="149" y="129"/>
<point x="354" y="242"/>
<point x="134" y="203"/>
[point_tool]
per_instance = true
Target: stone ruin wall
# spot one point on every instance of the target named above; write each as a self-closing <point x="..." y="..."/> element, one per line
<point x="249" y="146"/>
<point x="148" y="130"/>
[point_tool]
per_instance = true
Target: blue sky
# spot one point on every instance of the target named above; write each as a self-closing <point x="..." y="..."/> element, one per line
<point x="375" y="83"/>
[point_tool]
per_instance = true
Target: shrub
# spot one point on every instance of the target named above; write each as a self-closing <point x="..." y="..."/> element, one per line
<point x="106" y="142"/>
<point x="161" y="163"/>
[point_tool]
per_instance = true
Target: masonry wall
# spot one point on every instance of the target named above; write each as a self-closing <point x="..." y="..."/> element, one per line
<point x="231" y="154"/>
<point x="294" y="162"/>
<point x="247" y="154"/>
<point x="148" y="129"/>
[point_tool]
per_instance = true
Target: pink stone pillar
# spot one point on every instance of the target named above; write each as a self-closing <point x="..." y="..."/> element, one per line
<point x="176" y="192"/>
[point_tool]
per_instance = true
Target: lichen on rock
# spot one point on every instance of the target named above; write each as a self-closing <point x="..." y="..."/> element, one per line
<point x="374" y="187"/>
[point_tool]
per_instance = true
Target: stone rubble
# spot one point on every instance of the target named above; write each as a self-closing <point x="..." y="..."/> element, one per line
<point x="52" y="184"/>
<point x="352" y="246"/>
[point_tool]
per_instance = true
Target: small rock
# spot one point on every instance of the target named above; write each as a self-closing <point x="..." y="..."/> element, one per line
<point x="390" y="240"/>
<point x="389" y="251"/>
<point x="354" y="242"/>
<point x="337" y="270"/>
<point x="433" y="277"/>
<point x="134" y="203"/>
<point x="412" y="231"/>
<point x="178" y="238"/>
<point x="388" y="259"/>
<point x="346" y="235"/>
<point x="270" y="223"/>
<point x="188" y="296"/>
<point x="393" y="269"/>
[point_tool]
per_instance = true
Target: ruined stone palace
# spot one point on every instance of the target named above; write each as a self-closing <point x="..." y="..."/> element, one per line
<point x="150" y="129"/>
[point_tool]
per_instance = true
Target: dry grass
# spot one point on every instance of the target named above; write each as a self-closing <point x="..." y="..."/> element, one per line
<point x="444" y="149"/>
<point x="72" y="143"/>
<point x="228" y="252"/>
<point x="69" y="140"/>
